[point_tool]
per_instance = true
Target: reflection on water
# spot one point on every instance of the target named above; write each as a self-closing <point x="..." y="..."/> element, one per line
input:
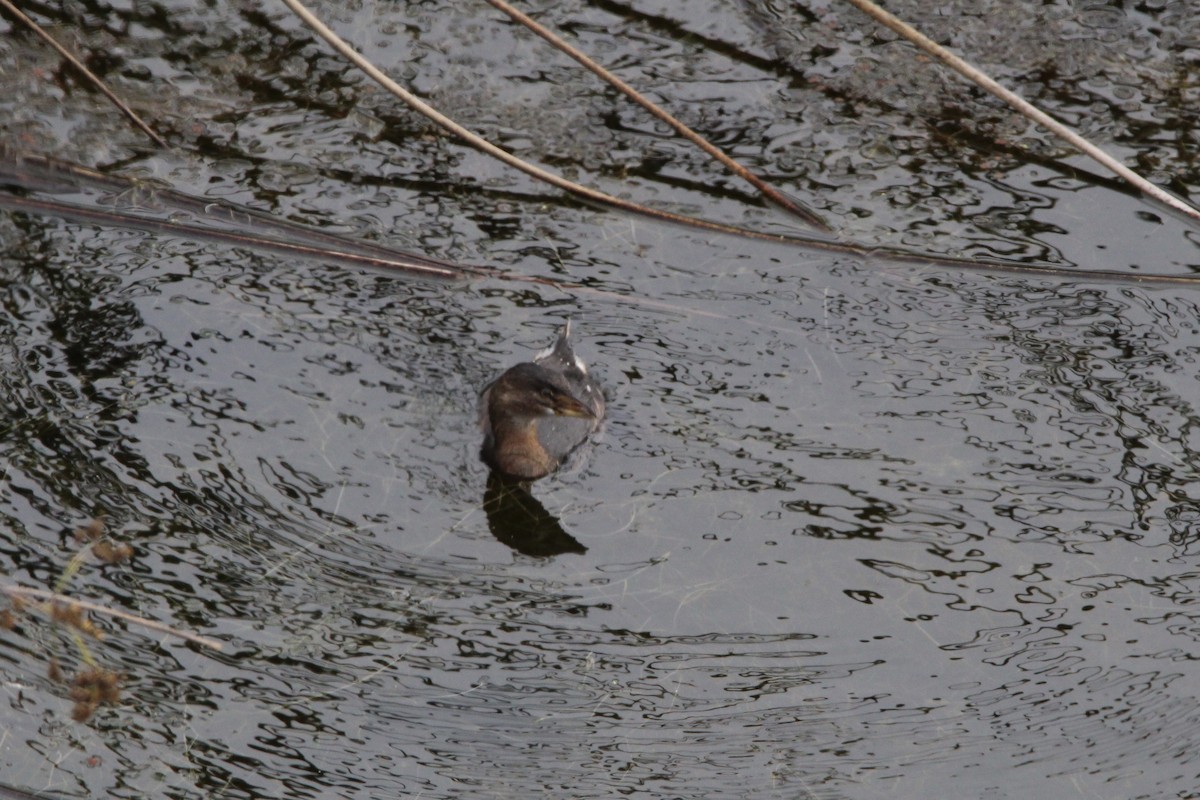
<point x="902" y="535"/>
<point x="519" y="519"/>
<point x="852" y="529"/>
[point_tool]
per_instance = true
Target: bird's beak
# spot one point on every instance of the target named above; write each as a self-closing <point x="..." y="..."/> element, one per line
<point x="567" y="406"/>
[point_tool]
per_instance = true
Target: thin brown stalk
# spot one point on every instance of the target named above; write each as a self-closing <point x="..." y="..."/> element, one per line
<point x="87" y="73"/>
<point x="332" y="249"/>
<point x="479" y="143"/>
<point x="417" y="266"/>
<point x="1027" y="109"/>
<point x="34" y="172"/>
<point x="768" y="191"/>
<point x="69" y="602"/>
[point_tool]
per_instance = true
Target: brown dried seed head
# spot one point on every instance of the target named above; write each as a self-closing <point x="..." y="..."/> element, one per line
<point x="90" y="532"/>
<point x="73" y="616"/>
<point x="110" y="689"/>
<point x="82" y="712"/>
<point x="83" y="685"/>
<point x="96" y="685"/>
<point x="111" y="552"/>
<point x="67" y="613"/>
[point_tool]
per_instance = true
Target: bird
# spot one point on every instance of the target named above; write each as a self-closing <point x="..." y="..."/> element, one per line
<point x="538" y="411"/>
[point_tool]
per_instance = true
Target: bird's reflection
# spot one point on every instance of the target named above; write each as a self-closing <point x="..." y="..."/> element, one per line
<point x="520" y="521"/>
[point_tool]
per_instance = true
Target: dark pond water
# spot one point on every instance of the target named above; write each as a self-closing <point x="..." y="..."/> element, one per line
<point x="853" y="529"/>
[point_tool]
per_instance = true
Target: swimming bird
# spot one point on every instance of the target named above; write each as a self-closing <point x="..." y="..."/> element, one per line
<point x="537" y="412"/>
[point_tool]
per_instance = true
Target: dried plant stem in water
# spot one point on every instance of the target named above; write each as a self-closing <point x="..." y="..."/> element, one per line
<point x="59" y="605"/>
<point x="87" y="73"/>
<point x="479" y="143"/>
<point x="348" y="251"/>
<point x="768" y="191"/>
<point x="1027" y="109"/>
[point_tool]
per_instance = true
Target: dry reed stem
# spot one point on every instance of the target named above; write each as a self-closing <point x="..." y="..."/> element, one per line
<point x="768" y="191"/>
<point x="422" y="268"/>
<point x="1027" y="109"/>
<point x="87" y="73"/>
<point x="479" y="143"/>
<point x="61" y="601"/>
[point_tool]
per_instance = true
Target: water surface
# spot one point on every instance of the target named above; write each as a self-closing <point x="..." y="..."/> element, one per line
<point x="853" y="528"/>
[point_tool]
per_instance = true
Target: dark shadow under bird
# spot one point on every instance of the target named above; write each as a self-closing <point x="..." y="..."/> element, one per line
<point x="537" y="412"/>
<point x="518" y="519"/>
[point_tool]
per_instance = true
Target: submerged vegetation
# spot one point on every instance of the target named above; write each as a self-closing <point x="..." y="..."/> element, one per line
<point x="902" y="510"/>
<point x="91" y="685"/>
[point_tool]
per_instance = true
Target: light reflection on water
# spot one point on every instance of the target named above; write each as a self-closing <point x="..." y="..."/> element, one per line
<point x="852" y="529"/>
<point x="901" y="534"/>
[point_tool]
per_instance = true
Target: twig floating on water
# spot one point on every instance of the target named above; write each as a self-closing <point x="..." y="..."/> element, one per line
<point x="87" y="73"/>
<point x="70" y="602"/>
<point x="766" y="189"/>
<point x="1027" y="109"/>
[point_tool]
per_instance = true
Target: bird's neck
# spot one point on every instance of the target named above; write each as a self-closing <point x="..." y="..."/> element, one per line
<point x="518" y="451"/>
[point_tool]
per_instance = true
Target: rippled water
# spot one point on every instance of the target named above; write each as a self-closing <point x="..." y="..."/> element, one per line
<point x="853" y="528"/>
